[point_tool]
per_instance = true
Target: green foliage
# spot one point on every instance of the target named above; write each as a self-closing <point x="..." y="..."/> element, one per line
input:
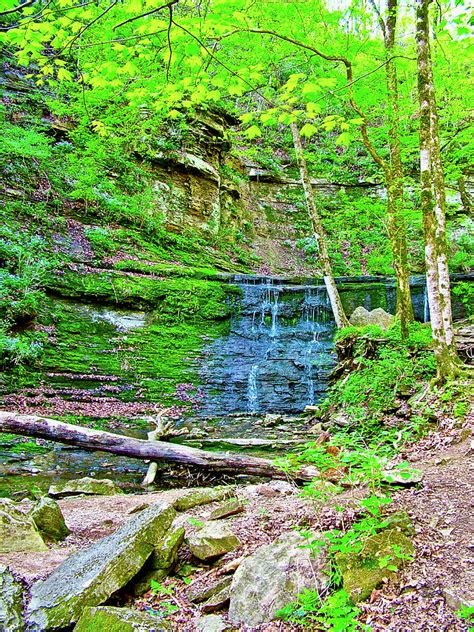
<point x="465" y="293"/>
<point x="336" y="613"/>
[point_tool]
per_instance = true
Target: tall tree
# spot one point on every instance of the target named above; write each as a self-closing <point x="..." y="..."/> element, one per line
<point x="318" y="231"/>
<point x="394" y="171"/>
<point x="433" y="203"/>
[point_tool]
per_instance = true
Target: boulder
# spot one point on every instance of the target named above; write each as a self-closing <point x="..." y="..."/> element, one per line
<point x="87" y="486"/>
<point x="273" y="576"/>
<point x="198" y="595"/>
<point x="211" y="623"/>
<point x="118" y="620"/>
<point x="229" y="508"/>
<point x="211" y="540"/>
<point x="89" y="577"/>
<point x="363" y="572"/>
<point x="10" y="602"/>
<point x="402" y="476"/>
<point x="202" y="496"/>
<point x="18" y="532"/>
<point x="49" y="519"/>
<point x="361" y="317"/>
<point x="160" y="562"/>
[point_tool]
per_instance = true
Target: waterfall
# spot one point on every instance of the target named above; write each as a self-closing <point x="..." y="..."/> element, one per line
<point x="252" y="389"/>
<point x="426" y="306"/>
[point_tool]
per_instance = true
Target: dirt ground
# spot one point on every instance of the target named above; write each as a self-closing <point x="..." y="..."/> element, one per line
<point x="425" y="595"/>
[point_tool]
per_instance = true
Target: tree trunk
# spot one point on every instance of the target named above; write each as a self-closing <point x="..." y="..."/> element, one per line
<point x="433" y="207"/>
<point x="394" y="178"/>
<point x="318" y="232"/>
<point x="89" y="439"/>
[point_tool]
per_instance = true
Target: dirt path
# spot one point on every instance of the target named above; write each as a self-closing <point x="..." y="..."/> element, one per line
<point x="442" y="577"/>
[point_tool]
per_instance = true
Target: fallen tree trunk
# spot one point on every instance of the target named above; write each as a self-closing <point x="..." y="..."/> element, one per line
<point x="90" y="439"/>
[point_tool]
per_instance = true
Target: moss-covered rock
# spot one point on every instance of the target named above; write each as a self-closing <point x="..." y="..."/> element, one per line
<point x="18" y="532"/>
<point x="273" y="576"/>
<point x="89" y="577"/>
<point x="107" y="618"/>
<point x="380" y="558"/>
<point x="10" y="602"/>
<point x="211" y="540"/>
<point x="202" y="496"/>
<point x="87" y="486"/>
<point x="49" y="519"/>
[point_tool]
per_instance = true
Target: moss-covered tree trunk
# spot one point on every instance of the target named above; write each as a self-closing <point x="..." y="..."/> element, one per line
<point x="394" y="177"/>
<point x="318" y="231"/>
<point x="433" y="206"/>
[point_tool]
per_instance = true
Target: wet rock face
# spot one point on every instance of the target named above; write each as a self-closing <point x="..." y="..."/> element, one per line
<point x="10" y="602"/>
<point x="273" y="577"/>
<point x="18" y="532"/>
<point x="89" y="577"/>
<point x="278" y="353"/>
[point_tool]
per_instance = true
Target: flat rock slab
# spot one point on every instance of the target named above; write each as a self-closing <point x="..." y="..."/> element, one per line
<point x="273" y="576"/>
<point x="18" y="532"/>
<point x="211" y="623"/>
<point x="89" y="577"/>
<point x="10" y="602"/>
<point x="86" y="485"/>
<point x="212" y="539"/>
<point x="229" y="508"/>
<point x="109" y="619"/>
<point x="203" y="496"/>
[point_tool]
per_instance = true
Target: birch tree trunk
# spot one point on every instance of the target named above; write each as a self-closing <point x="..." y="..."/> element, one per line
<point x="318" y="232"/>
<point x="433" y="207"/>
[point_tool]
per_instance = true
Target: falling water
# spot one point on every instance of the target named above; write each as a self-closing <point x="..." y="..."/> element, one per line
<point x="252" y="389"/>
<point x="426" y="306"/>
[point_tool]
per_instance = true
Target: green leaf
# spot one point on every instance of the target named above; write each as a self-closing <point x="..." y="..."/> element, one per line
<point x="308" y="130"/>
<point x="252" y="132"/>
<point x="344" y="139"/>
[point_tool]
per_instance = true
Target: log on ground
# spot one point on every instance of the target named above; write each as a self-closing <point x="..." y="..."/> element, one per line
<point x="159" y="451"/>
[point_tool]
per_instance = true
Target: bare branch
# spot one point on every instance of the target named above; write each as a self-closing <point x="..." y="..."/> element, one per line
<point x="143" y="15"/>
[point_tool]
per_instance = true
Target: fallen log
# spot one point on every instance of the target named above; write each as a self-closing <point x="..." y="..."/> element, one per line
<point x="161" y="451"/>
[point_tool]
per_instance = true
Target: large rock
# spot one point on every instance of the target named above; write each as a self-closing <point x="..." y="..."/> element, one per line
<point x="160" y="562"/>
<point x="49" y="519"/>
<point x="89" y="577"/>
<point x="10" y="602"/>
<point x="273" y="577"/>
<point x="211" y="540"/>
<point x="363" y="572"/>
<point x="109" y="619"/>
<point x="362" y="317"/>
<point x="202" y="496"/>
<point x="211" y="623"/>
<point x="18" y="532"/>
<point x="87" y="486"/>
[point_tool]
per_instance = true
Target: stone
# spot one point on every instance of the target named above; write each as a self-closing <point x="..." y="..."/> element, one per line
<point x="110" y="619"/>
<point x="273" y="576"/>
<point x="202" y="496"/>
<point x="18" y="532"/>
<point x="90" y="577"/>
<point x="217" y="601"/>
<point x="160" y="562"/>
<point x="361" y="317"/>
<point x="229" y="508"/>
<point x="361" y="573"/>
<point x="11" y="594"/>
<point x="49" y="519"/>
<point x="211" y="623"/>
<point x="197" y="595"/>
<point x="402" y="476"/>
<point x="211" y="540"/>
<point x="87" y="486"/>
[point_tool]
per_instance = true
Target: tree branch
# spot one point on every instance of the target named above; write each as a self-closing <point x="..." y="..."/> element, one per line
<point x="28" y="3"/>
<point x="143" y="15"/>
